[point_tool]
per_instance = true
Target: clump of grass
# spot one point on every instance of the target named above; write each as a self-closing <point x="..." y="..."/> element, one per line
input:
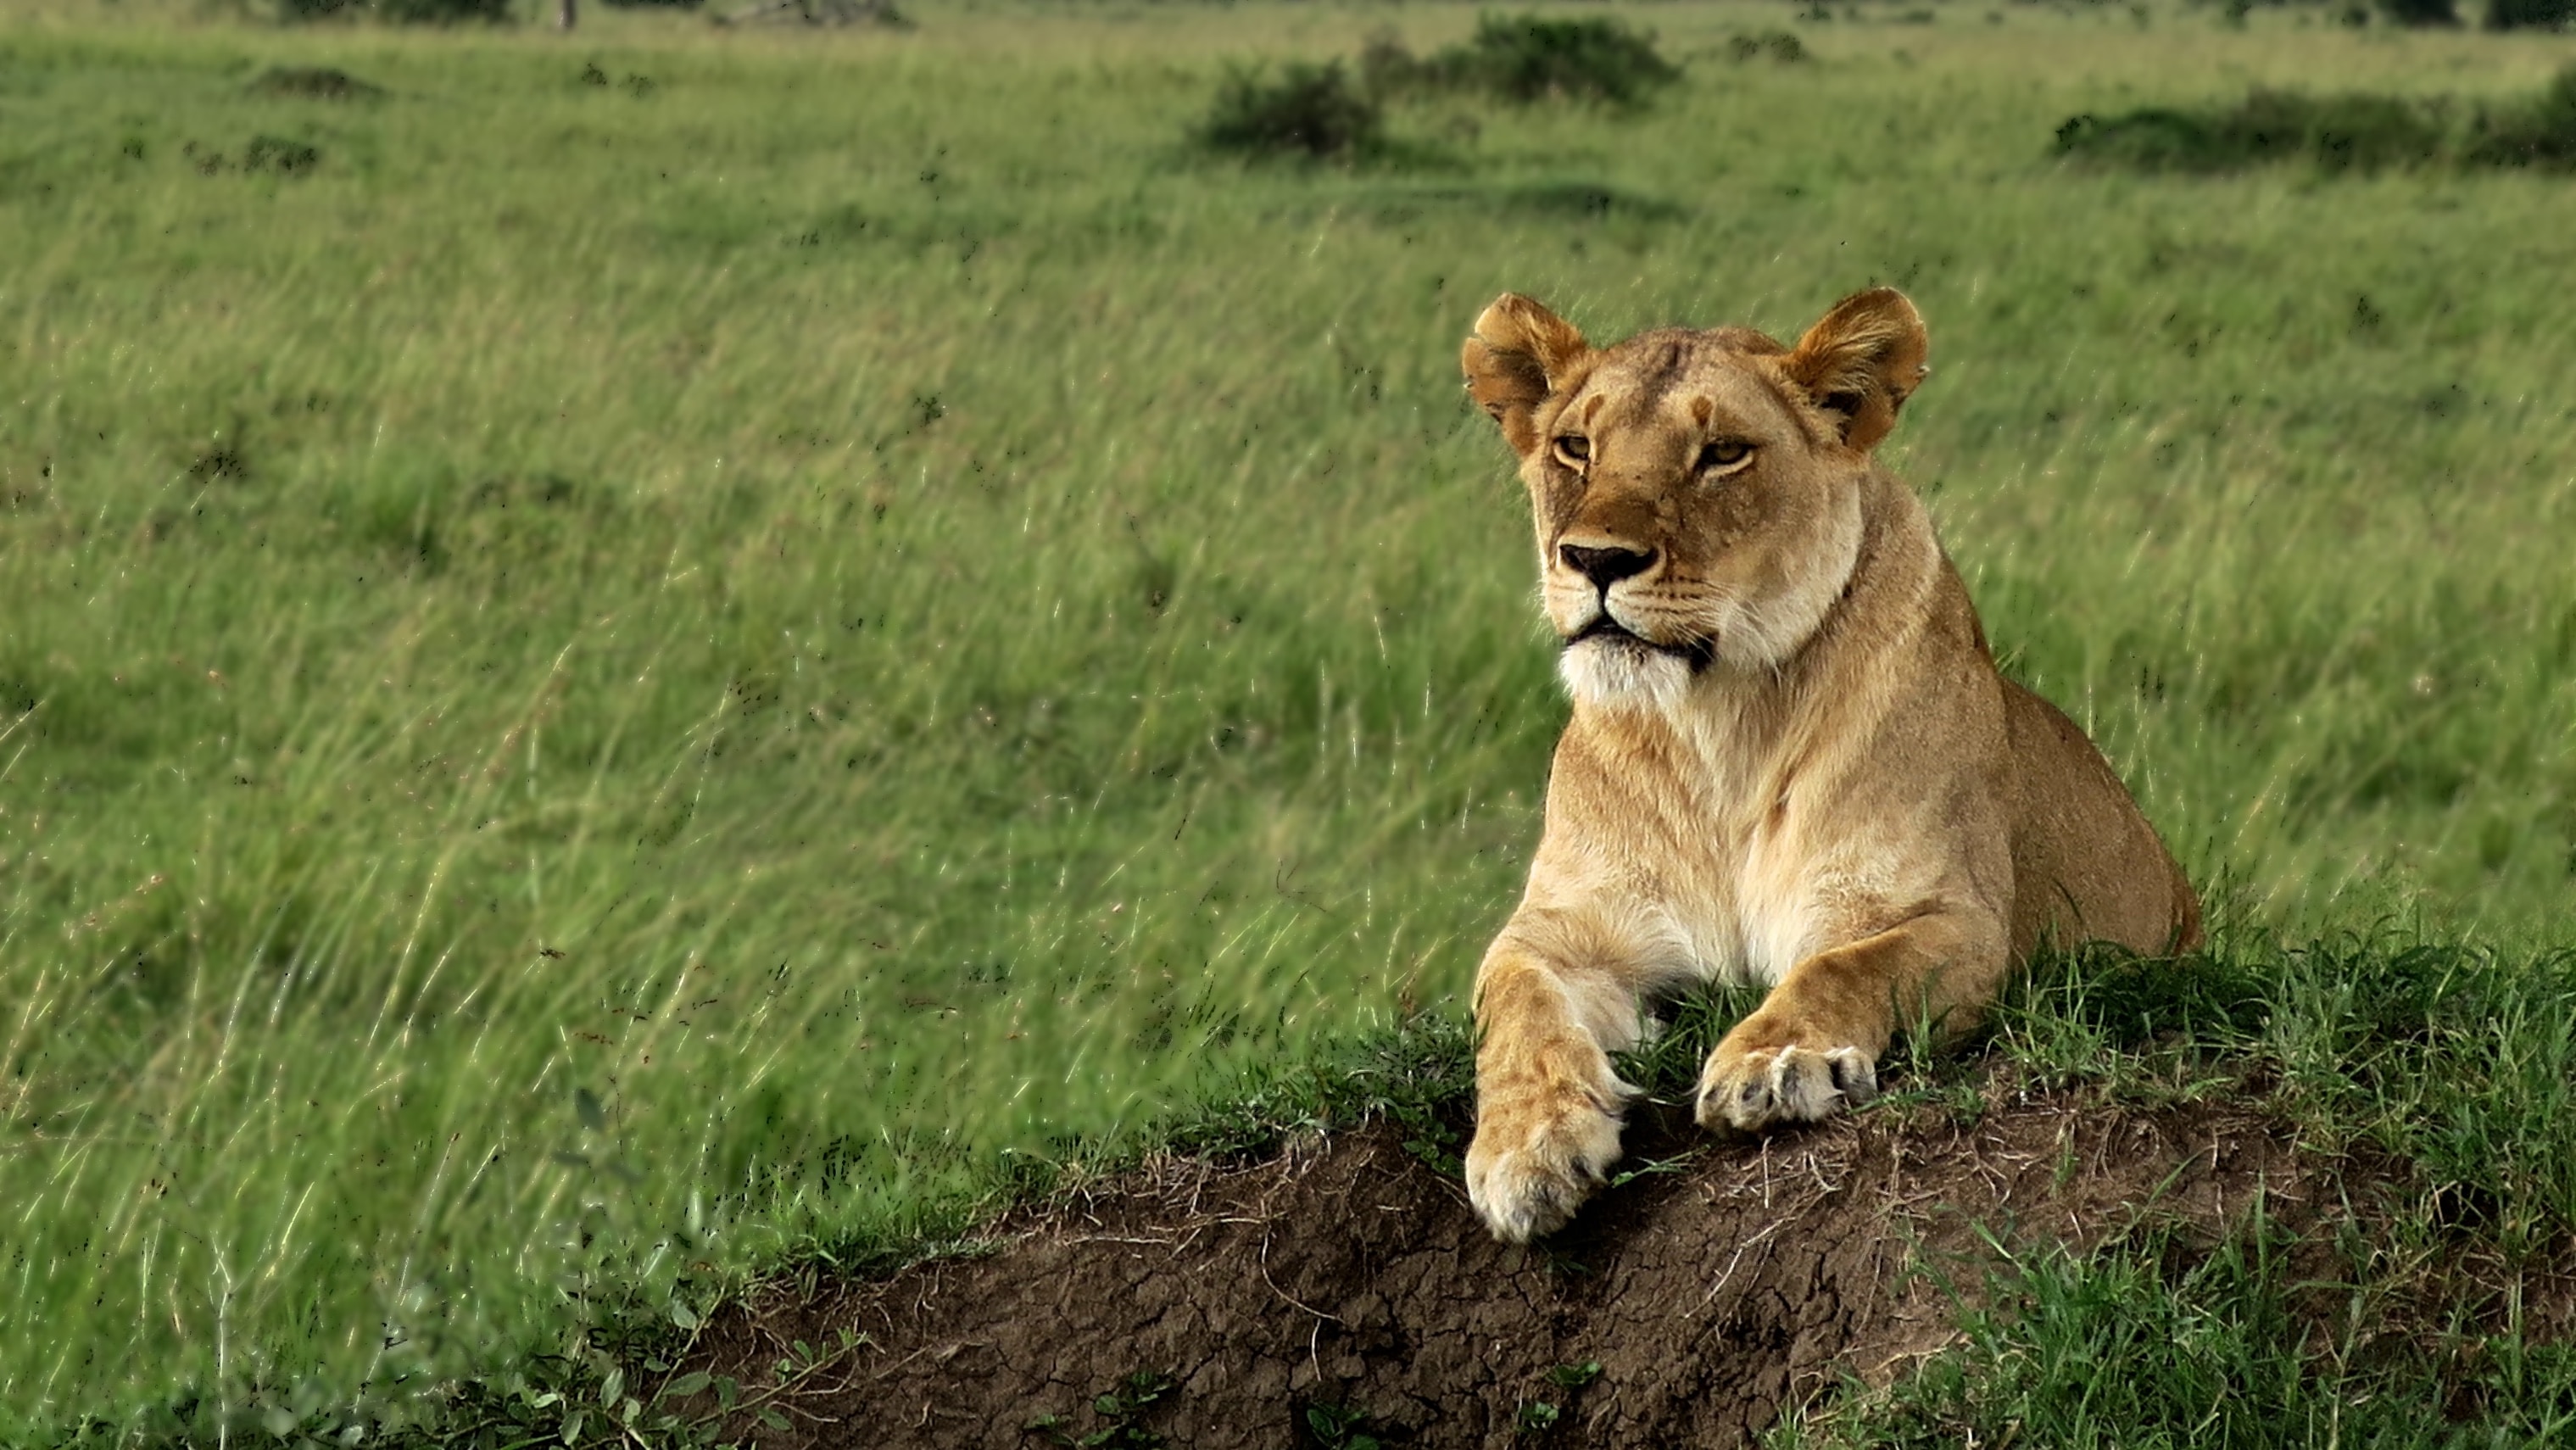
<point x="2352" y="132"/>
<point x="1530" y="58"/>
<point x="1311" y="112"/>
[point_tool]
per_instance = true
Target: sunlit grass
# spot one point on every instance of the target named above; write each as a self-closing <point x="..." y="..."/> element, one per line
<point x="621" y="679"/>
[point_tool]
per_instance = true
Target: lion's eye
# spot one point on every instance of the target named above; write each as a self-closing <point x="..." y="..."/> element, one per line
<point x="1724" y="456"/>
<point x="1573" y="451"/>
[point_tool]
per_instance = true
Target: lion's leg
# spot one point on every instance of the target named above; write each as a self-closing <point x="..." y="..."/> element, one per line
<point x="1813" y="1044"/>
<point x="1548" y="1103"/>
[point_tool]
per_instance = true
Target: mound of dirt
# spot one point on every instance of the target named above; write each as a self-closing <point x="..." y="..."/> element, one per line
<point x="1346" y="1286"/>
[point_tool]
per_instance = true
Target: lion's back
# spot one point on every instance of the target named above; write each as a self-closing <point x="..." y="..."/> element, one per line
<point x="2086" y="864"/>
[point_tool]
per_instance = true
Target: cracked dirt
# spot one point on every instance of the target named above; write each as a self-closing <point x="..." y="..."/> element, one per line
<point x="1346" y="1274"/>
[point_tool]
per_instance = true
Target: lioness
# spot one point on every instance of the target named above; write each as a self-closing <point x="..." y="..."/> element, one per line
<point x="1791" y="758"/>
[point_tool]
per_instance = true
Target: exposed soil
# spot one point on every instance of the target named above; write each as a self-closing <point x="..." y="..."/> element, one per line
<point x="1349" y="1275"/>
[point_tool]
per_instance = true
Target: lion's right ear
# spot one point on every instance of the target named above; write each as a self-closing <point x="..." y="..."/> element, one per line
<point x="1519" y="353"/>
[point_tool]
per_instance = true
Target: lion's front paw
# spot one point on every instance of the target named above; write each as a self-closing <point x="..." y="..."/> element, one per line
<point x="1535" y="1160"/>
<point x="1757" y="1088"/>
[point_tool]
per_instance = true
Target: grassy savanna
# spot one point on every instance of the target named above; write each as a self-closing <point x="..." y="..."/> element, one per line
<point x="612" y="685"/>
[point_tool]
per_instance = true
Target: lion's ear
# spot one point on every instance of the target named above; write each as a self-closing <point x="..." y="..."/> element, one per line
<point x="1519" y="353"/>
<point x="1862" y="361"/>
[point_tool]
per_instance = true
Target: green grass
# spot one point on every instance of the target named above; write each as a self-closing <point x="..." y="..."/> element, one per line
<point x="2401" y="1320"/>
<point x="2163" y="1344"/>
<point x="615" y="684"/>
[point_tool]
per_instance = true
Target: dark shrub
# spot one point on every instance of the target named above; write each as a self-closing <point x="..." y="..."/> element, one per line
<point x="1310" y="111"/>
<point x="2421" y="13"/>
<point x="312" y="83"/>
<point x="287" y="158"/>
<point x="2350" y="132"/>
<point x="399" y="12"/>
<point x="2337" y="133"/>
<point x="1389" y="68"/>
<point x="1530" y="58"/>
<point x="2530" y="14"/>
<point x="440" y="12"/>
<point x="2152" y="138"/>
<point x="2540" y="132"/>
<point x="1779" y="45"/>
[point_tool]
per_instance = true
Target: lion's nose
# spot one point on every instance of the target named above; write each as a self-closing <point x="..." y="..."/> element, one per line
<point x="1605" y="567"/>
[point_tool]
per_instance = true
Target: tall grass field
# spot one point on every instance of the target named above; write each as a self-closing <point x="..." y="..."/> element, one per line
<point x="634" y="657"/>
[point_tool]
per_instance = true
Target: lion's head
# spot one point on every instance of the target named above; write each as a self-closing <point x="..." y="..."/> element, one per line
<point x="1698" y="493"/>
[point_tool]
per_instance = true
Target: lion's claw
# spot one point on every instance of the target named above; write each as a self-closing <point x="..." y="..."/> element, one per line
<point x="1755" y="1090"/>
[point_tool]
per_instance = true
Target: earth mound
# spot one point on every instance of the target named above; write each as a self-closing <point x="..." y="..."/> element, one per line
<point x="1343" y="1288"/>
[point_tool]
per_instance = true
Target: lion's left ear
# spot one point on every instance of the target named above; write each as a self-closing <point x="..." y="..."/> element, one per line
<point x="1862" y="361"/>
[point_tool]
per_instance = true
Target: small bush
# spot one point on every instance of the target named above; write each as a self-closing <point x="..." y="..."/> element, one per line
<point x="264" y="153"/>
<point x="2421" y="14"/>
<point x="1389" y="68"/>
<point x="398" y="12"/>
<point x="2541" y="132"/>
<point x="2337" y="133"/>
<point x="1781" y="46"/>
<point x="312" y="83"/>
<point x="1310" y="111"/>
<point x="1529" y="58"/>
<point x="440" y="12"/>
<point x="287" y="158"/>
<point x="2530" y="14"/>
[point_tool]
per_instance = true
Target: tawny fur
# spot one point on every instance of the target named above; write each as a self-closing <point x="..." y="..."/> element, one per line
<point x="1792" y="762"/>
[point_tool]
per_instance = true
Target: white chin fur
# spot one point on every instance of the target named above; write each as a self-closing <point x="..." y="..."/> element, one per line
<point x="1616" y="675"/>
